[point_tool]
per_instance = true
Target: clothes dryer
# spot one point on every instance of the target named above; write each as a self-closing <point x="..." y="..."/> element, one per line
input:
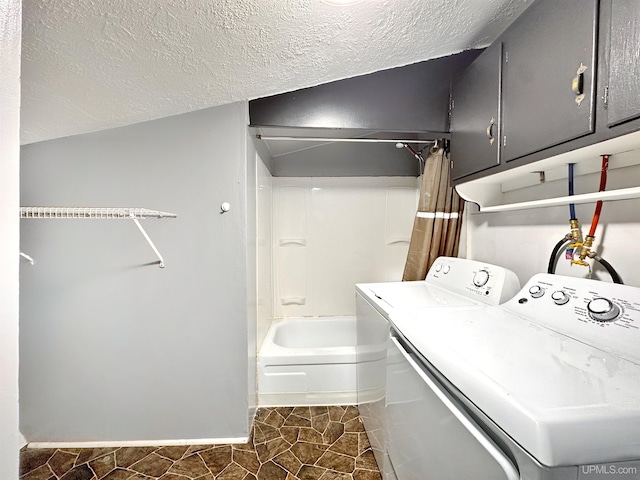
<point x="451" y="283"/>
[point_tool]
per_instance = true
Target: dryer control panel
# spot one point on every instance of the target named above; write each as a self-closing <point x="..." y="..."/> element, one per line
<point x="603" y="315"/>
<point x="487" y="283"/>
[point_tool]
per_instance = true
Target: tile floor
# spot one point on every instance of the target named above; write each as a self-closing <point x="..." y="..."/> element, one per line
<point x="287" y="443"/>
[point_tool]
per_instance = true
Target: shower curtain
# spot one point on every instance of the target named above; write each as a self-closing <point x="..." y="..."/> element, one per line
<point x="436" y="228"/>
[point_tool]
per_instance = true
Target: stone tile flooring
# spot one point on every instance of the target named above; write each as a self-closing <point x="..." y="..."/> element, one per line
<point x="287" y="443"/>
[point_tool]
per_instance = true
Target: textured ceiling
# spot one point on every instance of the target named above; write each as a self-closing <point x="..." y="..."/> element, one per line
<point x="93" y="64"/>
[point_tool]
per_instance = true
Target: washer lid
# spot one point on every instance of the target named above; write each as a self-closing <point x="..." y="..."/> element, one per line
<point x="563" y="401"/>
<point x="409" y="295"/>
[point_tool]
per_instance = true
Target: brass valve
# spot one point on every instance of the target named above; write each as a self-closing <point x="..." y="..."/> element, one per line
<point x="576" y="233"/>
<point x="585" y="251"/>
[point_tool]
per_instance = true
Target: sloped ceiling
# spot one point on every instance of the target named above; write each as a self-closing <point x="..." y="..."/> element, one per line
<point x="89" y="65"/>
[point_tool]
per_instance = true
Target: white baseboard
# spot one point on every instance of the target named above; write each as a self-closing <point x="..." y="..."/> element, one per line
<point x="22" y="442"/>
<point x="139" y="443"/>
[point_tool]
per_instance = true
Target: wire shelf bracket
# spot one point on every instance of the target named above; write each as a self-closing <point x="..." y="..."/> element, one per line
<point x="28" y="258"/>
<point x="134" y="214"/>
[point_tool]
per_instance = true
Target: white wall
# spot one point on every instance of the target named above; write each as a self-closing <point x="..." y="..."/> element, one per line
<point x="522" y="240"/>
<point x="251" y="239"/>
<point x="264" y="249"/>
<point x="10" y="30"/>
<point x="331" y="233"/>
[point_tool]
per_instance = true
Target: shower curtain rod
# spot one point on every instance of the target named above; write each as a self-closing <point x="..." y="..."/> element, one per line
<point x="329" y="139"/>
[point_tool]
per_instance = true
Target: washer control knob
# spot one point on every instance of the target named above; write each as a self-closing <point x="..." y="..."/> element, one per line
<point x="603" y="310"/>
<point x="438" y="267"/>
<point x="536" y="291"/>
<point x="560" y="297"/>
<point x="481" y="278"/>
<point x="446" y="269"/>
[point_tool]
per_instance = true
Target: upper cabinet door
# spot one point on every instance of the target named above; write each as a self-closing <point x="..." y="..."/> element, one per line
<point x="624" y="62"/>
<point x="475" y="115"/>
<point x="548" y="77"/>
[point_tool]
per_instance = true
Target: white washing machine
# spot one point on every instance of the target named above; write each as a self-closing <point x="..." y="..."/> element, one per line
<point x="543" y="387"/>
<point x="451" y="283"/>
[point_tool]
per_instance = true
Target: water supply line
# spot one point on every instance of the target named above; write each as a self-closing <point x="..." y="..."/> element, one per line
<point x="574" y="225"/>
<point x="575" y="235"/>
<point x="585" y="250"/>
<point x="572" y="206"/>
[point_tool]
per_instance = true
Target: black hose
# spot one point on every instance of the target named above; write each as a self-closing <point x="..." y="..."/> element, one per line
<point x="554" y="254"/>
<point x="614" y="275"/>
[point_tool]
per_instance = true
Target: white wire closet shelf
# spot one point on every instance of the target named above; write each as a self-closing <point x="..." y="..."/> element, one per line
<point x="134" y="214"/>
<point x="92" y="212"/>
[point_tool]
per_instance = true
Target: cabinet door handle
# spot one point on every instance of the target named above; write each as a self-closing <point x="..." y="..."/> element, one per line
<point x="490" y="131"/>
<point x="577" y="84"/>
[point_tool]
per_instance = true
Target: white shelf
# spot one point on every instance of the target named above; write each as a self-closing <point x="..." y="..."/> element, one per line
<point x="104" y="213"/>
<point x="620" y="194"/>
<point x="92" y="212"/>
<point x="489" y="192"/>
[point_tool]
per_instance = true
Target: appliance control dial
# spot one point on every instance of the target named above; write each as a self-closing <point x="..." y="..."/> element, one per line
<point x="603" y="310"/>
<point x="560" y="297"/>
<point x="481" y="278"/>
<point x="438" y="267"/>
<point x="446" y="269"/>
<point x="536" y="291"/>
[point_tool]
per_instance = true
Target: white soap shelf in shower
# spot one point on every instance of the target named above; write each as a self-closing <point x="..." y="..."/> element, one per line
<point x="134" y="214"/>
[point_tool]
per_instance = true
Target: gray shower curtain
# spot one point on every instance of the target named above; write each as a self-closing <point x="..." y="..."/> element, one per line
<point x="436" y="228"/>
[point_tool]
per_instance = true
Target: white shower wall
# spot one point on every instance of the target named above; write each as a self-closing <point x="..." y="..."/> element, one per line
<point x="264" y="249"/>
<point x="331" y="233"/>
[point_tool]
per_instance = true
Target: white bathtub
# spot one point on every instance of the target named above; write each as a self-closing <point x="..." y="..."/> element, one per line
<point x="308" y="361"/>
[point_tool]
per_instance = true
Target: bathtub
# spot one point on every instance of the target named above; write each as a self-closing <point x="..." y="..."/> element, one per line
<point x="308" y="361"/>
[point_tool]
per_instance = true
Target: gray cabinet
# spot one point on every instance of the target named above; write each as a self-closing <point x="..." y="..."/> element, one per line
<point x="550" y="103"/>
<point x="623" y="88"/>
<point x="475" y="115"/>
<point x="548" y="76"/>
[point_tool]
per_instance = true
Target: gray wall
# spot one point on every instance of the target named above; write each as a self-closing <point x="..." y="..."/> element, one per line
<point x="113" y="347"/>
<point x="348" y="160"/>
